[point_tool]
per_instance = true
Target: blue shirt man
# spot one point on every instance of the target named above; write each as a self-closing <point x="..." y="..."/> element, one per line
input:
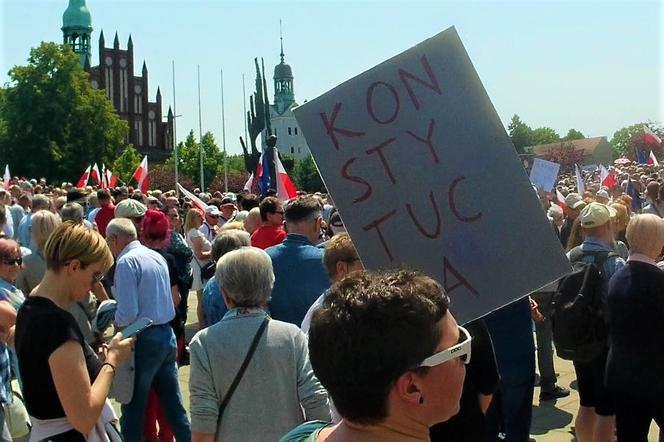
<point x="300" y="276"/>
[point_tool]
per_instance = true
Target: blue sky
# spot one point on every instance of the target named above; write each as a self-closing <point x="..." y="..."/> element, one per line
<point x="595" y="66"/>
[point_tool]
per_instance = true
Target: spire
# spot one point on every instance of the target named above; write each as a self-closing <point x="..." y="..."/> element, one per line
<point x="158" y="94"/>
<point x="145" y="69"/>
<point x="101" y="39"/>
<point x="170" y="113"/>
<point x="116" y="41"/>
<point x="281" y="37"/>
<point x="130" y="44"/>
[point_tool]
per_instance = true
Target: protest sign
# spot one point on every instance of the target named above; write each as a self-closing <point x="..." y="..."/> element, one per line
<point x="543" y="174"/>
<point x="424" y="176"/>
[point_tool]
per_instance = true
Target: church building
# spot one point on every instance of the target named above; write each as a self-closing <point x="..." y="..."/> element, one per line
<point x="116" y="75"/>
<point x="290" y="140"/>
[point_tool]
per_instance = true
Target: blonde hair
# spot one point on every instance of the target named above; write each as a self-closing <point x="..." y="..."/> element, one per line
<point x="622" y="218"/>
<point x="233" y="225"/>
<point x="339" y="248"/>
<point x="75" y="241"/>
<point x="43" y="224"/>
<point x="192" y="214"/>
<point x="645" y="234"/>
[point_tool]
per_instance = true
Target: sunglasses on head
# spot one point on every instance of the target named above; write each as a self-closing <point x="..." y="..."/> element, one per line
<point x="460" y="350"/>
<point x="14" y="261"/>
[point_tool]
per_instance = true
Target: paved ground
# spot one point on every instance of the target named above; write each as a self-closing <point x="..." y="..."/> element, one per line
<point x="553" y="421"/>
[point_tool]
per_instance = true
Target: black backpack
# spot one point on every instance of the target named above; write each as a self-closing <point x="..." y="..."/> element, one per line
<point x="580" y="331"/>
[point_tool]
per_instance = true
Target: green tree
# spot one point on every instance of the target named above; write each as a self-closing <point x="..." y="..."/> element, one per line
<point x="628" y="140"/>
<point x="520" y="133"/>
<point x="189" y="159"/>
<point x="53" y="122"/>
<point x="125" y="165"/>
<point x="573" y="134"/>
<point x="544" y="135"/>
<point x="306" y="176"/>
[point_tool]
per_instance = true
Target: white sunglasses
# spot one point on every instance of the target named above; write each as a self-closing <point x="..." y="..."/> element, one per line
<point x="460" y="350"/>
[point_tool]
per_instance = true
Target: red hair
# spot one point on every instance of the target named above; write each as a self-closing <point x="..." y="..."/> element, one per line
<point x="155" y="225"/>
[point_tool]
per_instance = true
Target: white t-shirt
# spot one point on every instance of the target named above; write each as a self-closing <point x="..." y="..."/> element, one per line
<point x="207" y="246"/>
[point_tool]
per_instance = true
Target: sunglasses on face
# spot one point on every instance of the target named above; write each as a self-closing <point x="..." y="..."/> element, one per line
<point x="14" y="261"/>
<point x="460" y="350"/>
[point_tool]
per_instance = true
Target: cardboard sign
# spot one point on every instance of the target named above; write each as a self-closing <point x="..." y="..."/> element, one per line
<point x="543" y="175"/>
<point x="424" y="176"/>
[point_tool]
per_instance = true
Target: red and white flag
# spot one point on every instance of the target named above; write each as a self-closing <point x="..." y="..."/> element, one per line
<point x="606" y="178"/>
<point x="250" y="183"/>
<point x="560" y="199"/>
<point x="580" y="185"/>
<point x="104" y="181"/>
<point x="141" y="175"/>
<point x="111" y="180"/>
<point x="96" y="175"/>
<point x="285" y="186"/>
<point x="196" y="201"/>
<point x="7" y="178"/>
<point x="650" y="137"/>
<point x="83" y="180"/>
<point x="652" y="160"/>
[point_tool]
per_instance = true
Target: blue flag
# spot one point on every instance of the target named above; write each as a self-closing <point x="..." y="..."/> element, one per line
<point x="636" y="198"/>
<point x="642" y="157"/>
<point x="264" y="182"/>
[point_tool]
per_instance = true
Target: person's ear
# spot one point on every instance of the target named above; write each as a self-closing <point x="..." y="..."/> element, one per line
<point x="341" y="268"/>
<point x="228" y="301"/>
<point x="409" y="388"/>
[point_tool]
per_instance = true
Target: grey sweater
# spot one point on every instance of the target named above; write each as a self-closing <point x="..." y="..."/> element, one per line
<point x="278" y="391"/>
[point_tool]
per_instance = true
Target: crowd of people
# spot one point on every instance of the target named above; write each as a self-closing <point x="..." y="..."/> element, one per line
<point x="295" y="341"/>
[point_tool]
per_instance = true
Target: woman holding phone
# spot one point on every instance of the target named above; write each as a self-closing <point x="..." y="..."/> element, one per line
<point x="65" y="384"/>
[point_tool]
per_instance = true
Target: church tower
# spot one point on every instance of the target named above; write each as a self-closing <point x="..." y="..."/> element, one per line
<point x="284" y="95"/>
<point x="77" y="28"/>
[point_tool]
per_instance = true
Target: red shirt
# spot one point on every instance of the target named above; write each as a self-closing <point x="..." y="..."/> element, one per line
<point x="103" y="217"/>
<point x="267" y="236"/>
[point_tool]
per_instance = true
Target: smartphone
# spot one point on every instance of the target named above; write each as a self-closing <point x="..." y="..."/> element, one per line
<point x="135" y="328"/>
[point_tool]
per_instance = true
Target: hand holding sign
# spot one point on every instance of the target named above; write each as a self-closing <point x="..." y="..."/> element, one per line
<point x="424" y="175"/>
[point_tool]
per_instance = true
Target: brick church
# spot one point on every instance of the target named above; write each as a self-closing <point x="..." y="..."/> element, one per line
<point x="116" y="75"/>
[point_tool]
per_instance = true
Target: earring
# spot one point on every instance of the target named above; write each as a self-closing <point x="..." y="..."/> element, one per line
<point x="421" y="400"/>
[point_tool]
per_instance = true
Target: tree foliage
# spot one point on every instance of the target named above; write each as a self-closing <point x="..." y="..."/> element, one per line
<point x="189" y="160"/>
<point x="306" y="176"/>
<point x="628" y="140"/>
<point x="125" y="165"/>
<point x="564" y="154"/>
<point x="544" y="135"/>
<point x="520" y="133"/>
<point x="52" y="122"/>
<point x="572" y="135"/>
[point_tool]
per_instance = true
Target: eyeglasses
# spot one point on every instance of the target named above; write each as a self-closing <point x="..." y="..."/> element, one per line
<point x="460" y="350"/>
<point x="15" y="261"/>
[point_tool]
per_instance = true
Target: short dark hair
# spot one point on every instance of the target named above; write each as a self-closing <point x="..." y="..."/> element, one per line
<point x="103" y="194"/>
<point x="268" y="205"/>
<point x="301" y="208"/>
<point x="248" y="202"/>
<point x="372" y="328"/>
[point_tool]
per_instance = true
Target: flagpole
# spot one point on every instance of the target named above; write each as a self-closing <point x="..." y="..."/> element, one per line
<point x="244" y="101"/>
<point x="200" y="132"/>
<point x="223" y="133"/>
<point x="175" y="139"/>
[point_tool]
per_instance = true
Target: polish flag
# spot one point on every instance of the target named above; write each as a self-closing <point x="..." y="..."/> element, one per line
<point x="96" y="175"/>
<point x="652" y="160"/>
<point x="606" y="178"/>
<point x="560" y="199"/>
<point x="196" y="201"/>
<point x="7" y="178"/>
<point x="111" y="180"/>
<point x="104" y="181"/>
<point x="580" y="185"/>
<point x="141" y="175"/>
<point x="250" y="183"/>
<point x="285" y="186"/>
<point x="83" y="180"/>
<point x="650" y="137"/>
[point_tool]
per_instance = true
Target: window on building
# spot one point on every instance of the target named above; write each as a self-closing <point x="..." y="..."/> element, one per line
<point x="292" y="149"/>
<point x="289" y="131"/>
<point x="299" y="150"/>
<point x="296" y="131"/>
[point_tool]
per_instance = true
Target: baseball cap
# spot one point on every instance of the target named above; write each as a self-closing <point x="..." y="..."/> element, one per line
<point x="596" y="214"/>
<point x="602" y="194"/>
<point x="212" y="211"/>
<point x="130" y="209"/>
<point x="574" y="201"/>
<point x="227" y="200"/>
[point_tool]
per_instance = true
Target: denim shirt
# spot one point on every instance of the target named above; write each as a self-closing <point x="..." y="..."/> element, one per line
<point x="611" y="265"/>
<point x="214" y="307"/>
